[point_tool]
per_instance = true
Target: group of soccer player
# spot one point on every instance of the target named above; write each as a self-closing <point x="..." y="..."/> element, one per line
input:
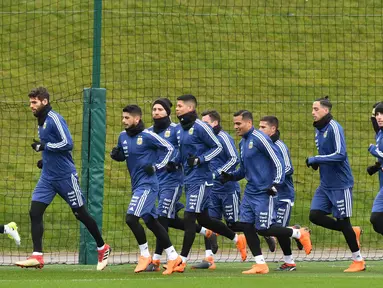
<point x="199" y="158"/>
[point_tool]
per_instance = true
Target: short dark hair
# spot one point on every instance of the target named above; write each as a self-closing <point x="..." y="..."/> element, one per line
<point x="246" y="115"/>
<point x="271" y="120"/>
<point x="213" y="114"/>
<point x="40" y="93"/>
<point x="188" y="98"/>
<point x="325" y="101"/>
<point x="133" y="110"/>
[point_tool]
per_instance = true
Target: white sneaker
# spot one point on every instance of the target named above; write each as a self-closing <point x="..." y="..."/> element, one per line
<point x="12" y="232"/>
<point x="35" y="261"/>
<point x="103" y="256"/>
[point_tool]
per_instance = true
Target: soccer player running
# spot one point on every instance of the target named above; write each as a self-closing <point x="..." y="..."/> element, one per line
<point x="263" y="167"/>
<point x="170" y="184"/>
<point x="198" y="146"/>
<point x="377" y="167"/>
<point x="224" y="198"/>
<point x="11" y="230"/>
<point x="377" y="151"/>
<point x="140" y="148"/>
<point x="58" y="176"/>
<point x="286" y="195"/>
<point x="334" y="194"/>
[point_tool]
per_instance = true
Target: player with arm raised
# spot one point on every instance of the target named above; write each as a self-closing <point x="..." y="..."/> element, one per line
<point x="263" y="167"/>
<point x="198" y="146"/>
<point x="334" y="194"/>
<point x="139" y="148"/>
<point x="58" y="176"/>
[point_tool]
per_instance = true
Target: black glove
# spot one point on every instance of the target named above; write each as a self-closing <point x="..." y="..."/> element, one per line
<point x="193" y="161"/>
<point x="37" y="146"/>
<point x="226" y="177"/>
<point x="307" y="162"/>
<point x="371" y="170"/>
<point x="40" y="164"/>
<point x="117" y="154"/>
<point x="272" y="191"/>
<point x="315" y="166"/>
<point x="172" y="167"/>
<point x="150" y="169"/>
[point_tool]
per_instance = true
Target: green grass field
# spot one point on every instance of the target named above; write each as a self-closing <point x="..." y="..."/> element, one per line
<point x="227" y="275"/>
<point x="271" y="57"/>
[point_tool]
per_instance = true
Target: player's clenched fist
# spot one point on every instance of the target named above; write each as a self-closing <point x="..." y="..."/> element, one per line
<point x="117" y="154"/>
<point x="37" y="146"/>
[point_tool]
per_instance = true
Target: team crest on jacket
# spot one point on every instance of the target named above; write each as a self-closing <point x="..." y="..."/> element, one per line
<point x="167" y="133"/>
<point x="191" y="131"/>
<point x="139" y="140"/>
<point x="325" y="134"/>
<point x="45" y="125"/>
<point x="251" y="144"/>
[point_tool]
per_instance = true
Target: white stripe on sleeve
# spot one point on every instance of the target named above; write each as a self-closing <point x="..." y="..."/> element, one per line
<point x="233" y="155"/>
<point x="57" y="122"/>
<point x="209" y="131"/>
<point x="338" y="144"/>
<point x="274" y="157"/>
<point x="164" y="143"/>
<point x="285" y="156"/>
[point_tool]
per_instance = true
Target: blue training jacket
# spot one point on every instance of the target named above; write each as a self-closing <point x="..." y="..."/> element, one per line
<point x="142" y="150"/>
<point x="226" y="161"/>
<point x="377" y="151"/>
<point x="261" y="162"/>
<point x="166" y="179"/>
<point x="286" y="189"/>
<point x="334" y="168"/>
<point x="198" y="141"/>
<point x="378" y="137"/>
<point x="57" y="156"/>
